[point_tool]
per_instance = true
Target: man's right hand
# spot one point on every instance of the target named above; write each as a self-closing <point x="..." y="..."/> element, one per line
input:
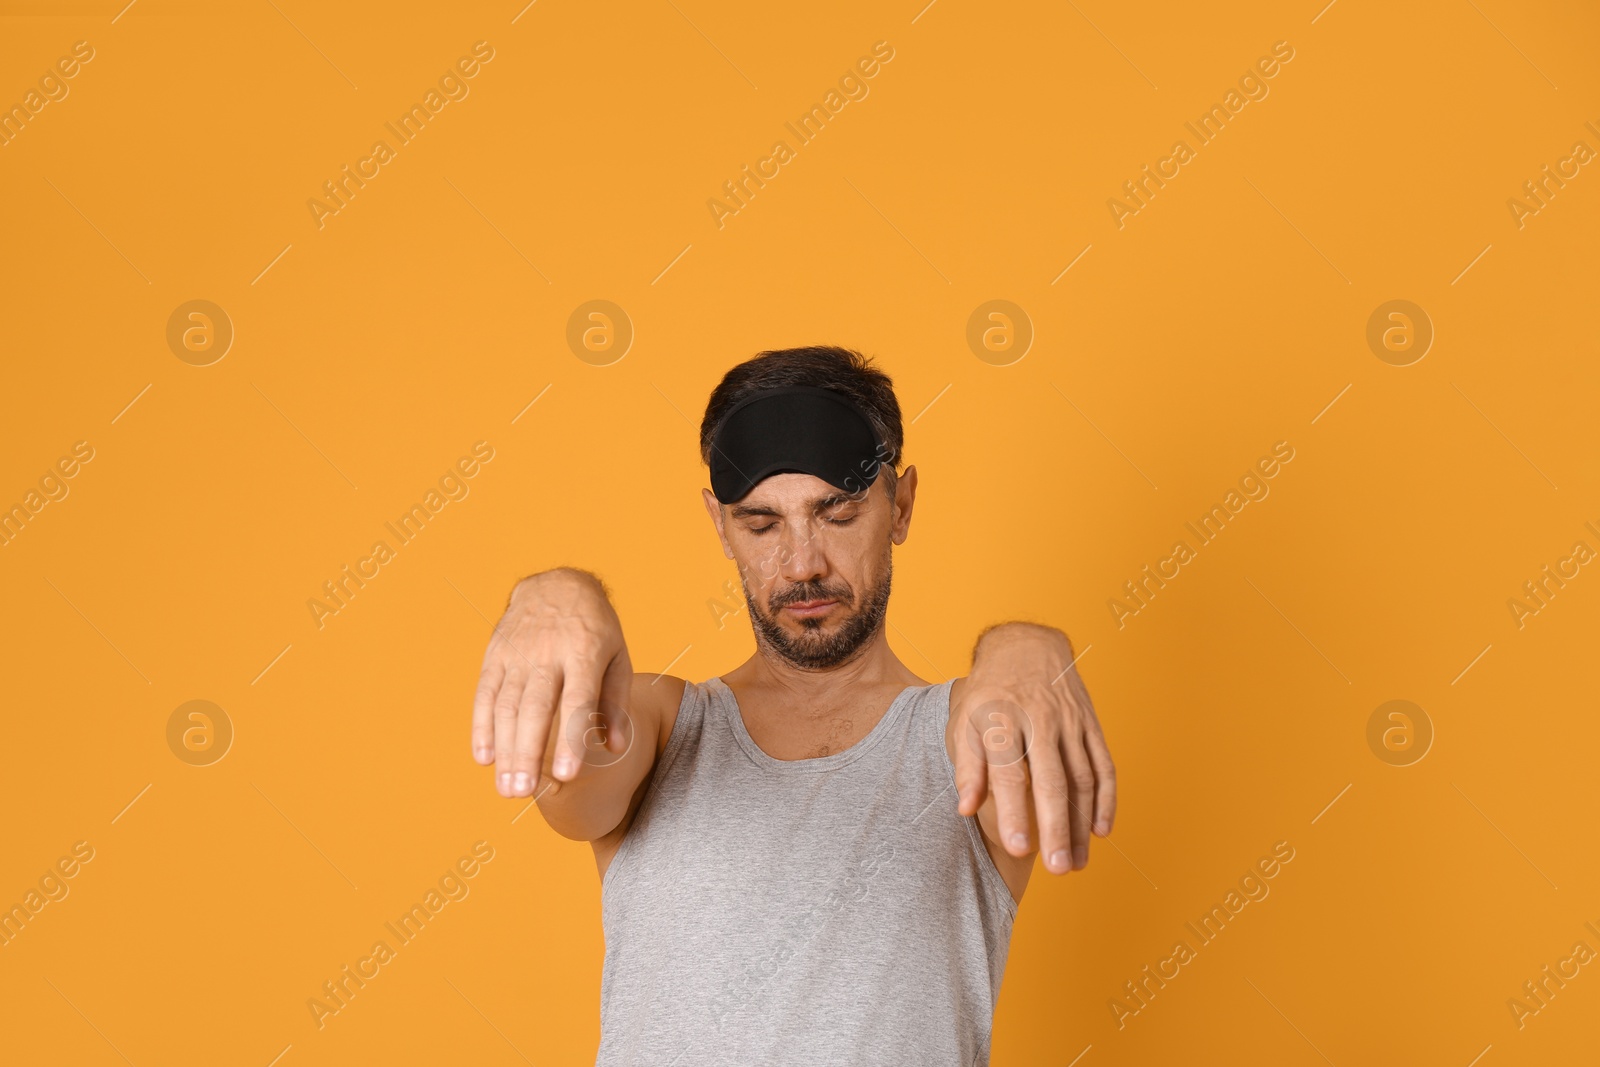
<point x="556" y="668"/>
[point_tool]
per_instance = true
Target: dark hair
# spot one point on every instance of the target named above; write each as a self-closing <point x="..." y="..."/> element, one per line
<point x="825" y="366"/>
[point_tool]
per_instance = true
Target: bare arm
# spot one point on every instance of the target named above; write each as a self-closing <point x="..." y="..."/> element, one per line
<point x="559" y="710"/>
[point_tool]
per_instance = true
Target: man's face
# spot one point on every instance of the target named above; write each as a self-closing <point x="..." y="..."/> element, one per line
<point x="815" y="562"/>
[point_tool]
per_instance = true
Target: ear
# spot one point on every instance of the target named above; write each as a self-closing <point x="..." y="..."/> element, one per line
<point x="905" y="497"/>
<point x="714" y="509"/>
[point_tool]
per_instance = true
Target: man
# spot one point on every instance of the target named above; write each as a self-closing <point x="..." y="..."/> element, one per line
<point x="785" y="875"/>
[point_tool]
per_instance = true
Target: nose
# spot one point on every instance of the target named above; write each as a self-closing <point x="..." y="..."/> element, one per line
<point x="800" y="557"/>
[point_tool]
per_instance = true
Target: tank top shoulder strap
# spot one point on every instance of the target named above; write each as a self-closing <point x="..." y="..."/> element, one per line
<point x="693" y="710"/>
<point x="930" y="709"/>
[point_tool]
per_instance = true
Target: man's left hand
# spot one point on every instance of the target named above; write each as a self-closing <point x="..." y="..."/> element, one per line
<point x="1026" y="723"/>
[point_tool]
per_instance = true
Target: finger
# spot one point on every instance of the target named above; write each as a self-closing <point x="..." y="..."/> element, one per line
<point x="972" y="778"/>
<point x="1056" y="832"/>
<point x="1005" y="746"/>
<point x="489" y="679"/>
<point x="616" y="690"/>
<point x="1094" y="740"/>
<point x="1080" y="798"/>
<point x="505" y="728"/>
<point x="534" y="712"/>
<point x="1009" y="786"/>
<point x="1105" y="777"/>
<point x="579" y="722"/>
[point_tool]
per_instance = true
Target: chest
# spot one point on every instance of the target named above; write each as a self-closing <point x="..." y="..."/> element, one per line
<point x="756" y="848"/>
<point x="811" y="738"/>
<point x="785" y="732"/>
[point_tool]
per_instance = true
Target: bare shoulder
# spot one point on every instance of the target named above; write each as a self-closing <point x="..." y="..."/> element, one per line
<point x="1014" y="870"/>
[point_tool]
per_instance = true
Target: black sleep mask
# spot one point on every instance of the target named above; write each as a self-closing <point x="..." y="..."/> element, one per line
<point x="801" y="428"/>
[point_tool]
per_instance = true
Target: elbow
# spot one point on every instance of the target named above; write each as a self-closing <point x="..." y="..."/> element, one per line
<point x="578" y="822"/>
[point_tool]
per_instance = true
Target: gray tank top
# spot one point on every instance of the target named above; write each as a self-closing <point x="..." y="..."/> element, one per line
<point x="833" y="912"/>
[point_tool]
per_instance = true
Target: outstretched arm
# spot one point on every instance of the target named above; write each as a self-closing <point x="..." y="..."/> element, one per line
<point x="1030" y="742"/>
<point x="557" y="709"/>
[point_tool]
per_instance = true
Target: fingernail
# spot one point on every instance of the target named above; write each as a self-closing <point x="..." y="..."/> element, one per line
<point x="563" y="767"/>
<point x="1019" y="840"/>
<point x="1080" y="856"/>
<point x="505" y="784"/>
<point x="1059" y="860"/>
<point x="1102" y="828"/>
<point x="485" y="753"/>
<point x="521" y="783"/>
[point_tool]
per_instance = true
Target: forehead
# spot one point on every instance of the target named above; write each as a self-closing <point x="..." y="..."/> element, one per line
<point x="794" y="493"/>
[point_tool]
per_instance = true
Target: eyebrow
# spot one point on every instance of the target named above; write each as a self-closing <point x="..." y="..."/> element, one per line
<point x="746" y="511"/>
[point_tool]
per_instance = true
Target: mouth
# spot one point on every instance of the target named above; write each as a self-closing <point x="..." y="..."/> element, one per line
<point x="809" y="609"/>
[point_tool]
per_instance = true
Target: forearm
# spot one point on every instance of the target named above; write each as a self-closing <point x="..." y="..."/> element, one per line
<point x="592" y="804"/>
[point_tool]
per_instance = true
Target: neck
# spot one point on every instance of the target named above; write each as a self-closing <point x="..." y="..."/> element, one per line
<point x="874" y="665"/>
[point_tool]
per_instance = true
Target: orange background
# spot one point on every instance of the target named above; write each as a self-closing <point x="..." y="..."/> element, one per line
<point x="427" y="314"/>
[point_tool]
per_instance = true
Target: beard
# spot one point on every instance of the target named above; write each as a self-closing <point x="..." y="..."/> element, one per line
<point x="813" y="650"/>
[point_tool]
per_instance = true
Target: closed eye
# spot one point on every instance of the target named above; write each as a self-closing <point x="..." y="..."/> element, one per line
<point x="758" y="530"/>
